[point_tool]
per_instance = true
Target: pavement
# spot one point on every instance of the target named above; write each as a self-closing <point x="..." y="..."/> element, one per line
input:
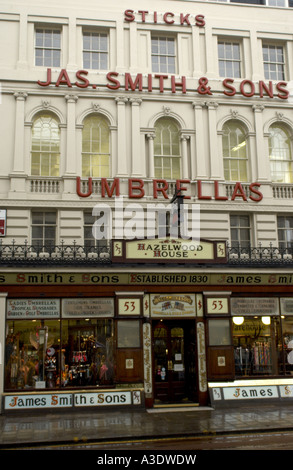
<point x="103" y="425"/>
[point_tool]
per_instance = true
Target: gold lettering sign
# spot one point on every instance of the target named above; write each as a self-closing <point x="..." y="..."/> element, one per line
<point x="169" y="250"/>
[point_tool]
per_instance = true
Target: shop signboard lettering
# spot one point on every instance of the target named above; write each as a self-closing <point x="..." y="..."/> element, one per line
<point x="169" y="250"/>
<point x="250" y="393"/>
<point x="145" y="278"/>
<point x="66" y="400"/>
<point x="32" y="401"/>
<point x="173" y="305"/>
<point x="88" y="308"/>
<point x="102" y="398"/>
<point x="33" y="308"/>
<point x="254" y="306"/>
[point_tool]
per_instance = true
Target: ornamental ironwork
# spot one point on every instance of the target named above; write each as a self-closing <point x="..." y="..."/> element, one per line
<point x="79" y="255"/>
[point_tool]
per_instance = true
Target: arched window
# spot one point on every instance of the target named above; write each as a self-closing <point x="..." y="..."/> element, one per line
<point x="280" y="154"/>
<point x="45" y="146"/>
<point x="96" y="147"/>
<point x="235" y="152"/>
<point x="167" y="149"/>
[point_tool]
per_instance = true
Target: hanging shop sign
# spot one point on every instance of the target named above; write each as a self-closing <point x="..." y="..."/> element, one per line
<point x="173" y="305"/>
<point x="168" y="250"/>
<point x="3" y="213"/>
<point x="254" y="306"/>
<point x="88" y="308"/>
<point x="31" y="309"/>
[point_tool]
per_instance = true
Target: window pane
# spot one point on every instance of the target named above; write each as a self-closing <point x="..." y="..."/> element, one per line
<point x="88" y="352"/>
<point x="254" y="354"/>
<point x="128" y="334"/>
<point x="219" y="332"/>
<point x="27" y="363"/>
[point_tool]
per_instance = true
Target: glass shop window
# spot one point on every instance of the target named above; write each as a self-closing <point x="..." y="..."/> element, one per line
<point x="32" y="354"/>
<point x="128" y="334"/>
<point x="219" y="332"/>
<point x="87" y="356"/>
<point x="287" y="329"/>
<point x="257" y="345"/>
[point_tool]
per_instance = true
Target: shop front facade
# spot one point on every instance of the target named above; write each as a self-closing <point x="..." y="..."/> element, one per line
<point x="136" y="340"/>
<point x="116" y="110"/>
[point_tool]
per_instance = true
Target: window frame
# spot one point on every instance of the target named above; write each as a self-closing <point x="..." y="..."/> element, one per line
<point x="159" y="141"/>
<point x="286" y="174"/>
<point x="160" y="65"/>
<point x="52" y="29"/>
<point x="45" y="243"/>
<point x="240" y="241"/>
<point x="238" y="159"/>
<point x="91" y="154"/>
<point x="225" y="60"/>
<point x="91" y="51"/>
<point x="268" y="74"/>
<point x="45" y="153"/>
<point x="285" y="242"/>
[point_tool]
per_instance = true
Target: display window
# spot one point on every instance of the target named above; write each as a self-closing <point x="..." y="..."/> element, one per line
<point x="287" y="329"/>
<point x="257" y="345"/>
<point x="32" y="353"/>
<point x="52" y="344"/>
<point x="87" y="355"/>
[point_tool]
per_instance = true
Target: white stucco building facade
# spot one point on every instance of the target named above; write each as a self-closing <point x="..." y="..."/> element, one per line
<point x="107" y="100"/>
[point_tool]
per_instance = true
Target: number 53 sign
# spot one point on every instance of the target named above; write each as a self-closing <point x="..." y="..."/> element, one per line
<point x="129" y="306"/>
<point x="217" y="305"/>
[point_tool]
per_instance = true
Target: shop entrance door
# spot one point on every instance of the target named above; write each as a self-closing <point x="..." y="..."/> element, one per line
<point x="174" y="361"/>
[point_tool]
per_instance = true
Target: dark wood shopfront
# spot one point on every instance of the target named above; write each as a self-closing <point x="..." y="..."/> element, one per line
<point x="174" y="350"/>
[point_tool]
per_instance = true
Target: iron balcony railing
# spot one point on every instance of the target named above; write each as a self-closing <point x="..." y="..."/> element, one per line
<point x="75" y="254"/>
<point x="49" y="254"/>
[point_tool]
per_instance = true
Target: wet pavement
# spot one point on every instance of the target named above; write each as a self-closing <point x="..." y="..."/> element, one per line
<point x="20" y="430"/>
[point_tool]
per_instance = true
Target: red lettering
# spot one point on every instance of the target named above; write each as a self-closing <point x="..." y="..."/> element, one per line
<point x="143" y="13"/>
<point x="252" y="88"/>
<point x="161" y="78"/>
<point x="199" y="21"/>
<point x="263" y="87"/>
<point x="217" y="196"/>
<point x="129" y="82"/>
<point x="78" y="188"/>
<point x="110" y="76"/>
<point x="226" y="84"/>
<point x="63" y="79"/>
<point x="165" y="17"/>
<point x="184" y="19"/>
<point x="20" y="278"/>
<point x="199" y="191"/>
<point x="114" y="187"/>
<point x="85" y="83"/>
<point x="238" y="192"/>
<point x="182" y="188"/>
<point x="129" y="15"/>
<point x="49" y="77"/>
<point x="181" y="84"/>
<point x="150" y="82"/>
<point x="139" y="188"/>
<point x="280" y="88"/>
<point x="163" y="190"/>
<point x="255" y="191"/>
